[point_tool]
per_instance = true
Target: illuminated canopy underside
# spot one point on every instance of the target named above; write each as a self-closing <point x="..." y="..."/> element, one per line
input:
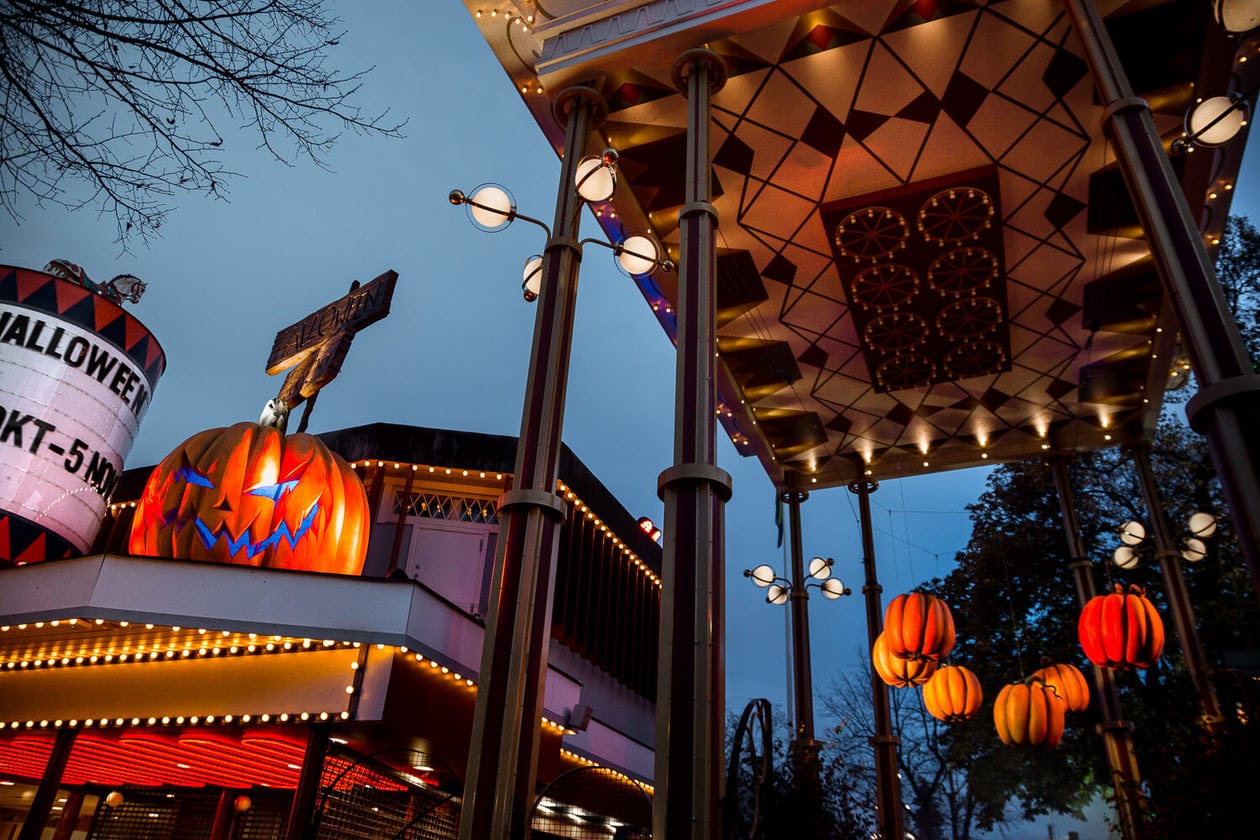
<point x="927" y="255"/>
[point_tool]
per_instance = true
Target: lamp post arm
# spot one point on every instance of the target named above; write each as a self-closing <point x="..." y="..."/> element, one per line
<point x="660" y="260"/>
<point x="457" y="197"/>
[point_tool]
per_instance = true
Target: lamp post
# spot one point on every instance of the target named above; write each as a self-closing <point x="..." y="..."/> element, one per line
<point x="780" y="590"/>
<point x="503" y="752"/>
<point x="795" y="591"/>
<point x="1169" y="554"/>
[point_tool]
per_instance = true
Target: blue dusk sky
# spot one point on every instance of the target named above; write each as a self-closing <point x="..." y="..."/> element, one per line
<point x="226" y="275"/>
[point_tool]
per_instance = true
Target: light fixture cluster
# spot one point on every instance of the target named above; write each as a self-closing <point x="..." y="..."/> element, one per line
<point x="779" y="589"/>
<point x="580" y="506"/>
<point x="1199" y="527"/>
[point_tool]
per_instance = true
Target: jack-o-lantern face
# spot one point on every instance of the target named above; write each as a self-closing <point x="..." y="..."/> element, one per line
<point x="249" y="495"/>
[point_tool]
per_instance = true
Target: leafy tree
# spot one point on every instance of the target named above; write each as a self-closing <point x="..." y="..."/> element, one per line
<point x="117" y="104"/>
<point x="1238" y="268"/>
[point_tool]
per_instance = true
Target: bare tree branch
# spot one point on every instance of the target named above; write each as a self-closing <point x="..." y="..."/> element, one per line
<point x="117" y="105"/>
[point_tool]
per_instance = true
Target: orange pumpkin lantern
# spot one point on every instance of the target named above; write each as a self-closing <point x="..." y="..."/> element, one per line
<point x="953" y="694"/>
<point x="918" y="626"/>
<point x="899" y="673"/>
<point x="248" y="494"/>
<point x="1068" y="682"/>
<point x="1121" y="631"/>
<point x="1029" y="713"/>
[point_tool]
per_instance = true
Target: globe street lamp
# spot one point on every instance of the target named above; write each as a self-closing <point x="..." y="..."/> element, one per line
<point x="503" y="751"/>
<point x="780" y="590"/>
<point x="492" y="208"/>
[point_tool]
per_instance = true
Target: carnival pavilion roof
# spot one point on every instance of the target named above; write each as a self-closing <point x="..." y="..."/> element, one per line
<point x="927" y="256"/>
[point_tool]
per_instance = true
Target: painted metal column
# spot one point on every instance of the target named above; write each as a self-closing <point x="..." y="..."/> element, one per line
<point x="224" y="815"/>
<point x="1117" y="733"/>
<point x="690" y="706"/>
<point x="888" y="782"/>
<point x="69" y="821"/>
<point x="798" y="601"/>
<point x="1227" y="407"/>
<point x="1178" y="596"/>
<point x="302" y="812"/>
<point x="46" y="793"/>
<point x="503" y="754"/>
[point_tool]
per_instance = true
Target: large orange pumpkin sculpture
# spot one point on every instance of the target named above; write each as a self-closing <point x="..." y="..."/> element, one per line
<point x="918" y="626"/>
<point x="1121" y="631"/>
<point x="1068" y="682"/>
<point x="899" y="673"/>
<point x="1029" y="713"/>
<point x="953" y="694"/>
<point x="250" y="495"/>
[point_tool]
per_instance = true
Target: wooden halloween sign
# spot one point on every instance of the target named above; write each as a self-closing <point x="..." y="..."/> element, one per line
<point x="316" y="346"/>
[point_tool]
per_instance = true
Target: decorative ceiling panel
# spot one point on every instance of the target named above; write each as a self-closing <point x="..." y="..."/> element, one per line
<point x="949" y="268"/>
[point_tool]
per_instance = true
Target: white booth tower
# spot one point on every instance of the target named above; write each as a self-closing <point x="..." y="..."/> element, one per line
<point x="77" y="372"/>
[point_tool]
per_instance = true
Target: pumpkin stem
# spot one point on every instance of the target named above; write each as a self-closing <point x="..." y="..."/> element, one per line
<point x="1046" y="661"/>
<point x="275" y="414"/>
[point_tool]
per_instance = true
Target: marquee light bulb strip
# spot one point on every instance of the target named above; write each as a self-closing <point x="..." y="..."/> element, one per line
<point x="274" y="645"/>
<point x="608" y="533"/>
<point x="581" y="759"/>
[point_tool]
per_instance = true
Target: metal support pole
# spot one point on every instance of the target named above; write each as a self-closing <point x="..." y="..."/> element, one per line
<point x="1178" y="596"/>
<point x="690" y="707"/>
<point x="1227" y="407"/>
<point x="804" y="748"/>
<point x="69" y="822"/>
<point x="798" y="602"/>
<point x="302" y="812"/>
<point x="503" y="754"/>
<point x="1117" y="733"/>
<point x="46" y="794"/>
<point x="224" y="815"/>
<point x="888" y="782"/>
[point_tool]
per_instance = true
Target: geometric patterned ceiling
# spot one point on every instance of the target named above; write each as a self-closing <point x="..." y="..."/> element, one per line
<point x="927" y="259"/>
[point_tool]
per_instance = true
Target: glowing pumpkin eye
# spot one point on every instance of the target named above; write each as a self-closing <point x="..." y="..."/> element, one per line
<point x="193" y="477"/>
<point x="273" y="491"/>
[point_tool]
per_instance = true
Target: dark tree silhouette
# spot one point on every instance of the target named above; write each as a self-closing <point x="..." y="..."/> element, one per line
<point x="832" y="800"/>
<point x="117" y="105"/>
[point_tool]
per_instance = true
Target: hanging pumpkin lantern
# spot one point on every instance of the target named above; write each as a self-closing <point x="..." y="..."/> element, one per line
<point x="1121" y="631"/>
<point x="1067" y="681"/>
<point x="953" y="694"/>
<point x="918" y="626"/>
<point x="899" y="673"/>
<point x="250" y="495"/>
<point x="1029" y="713"/>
